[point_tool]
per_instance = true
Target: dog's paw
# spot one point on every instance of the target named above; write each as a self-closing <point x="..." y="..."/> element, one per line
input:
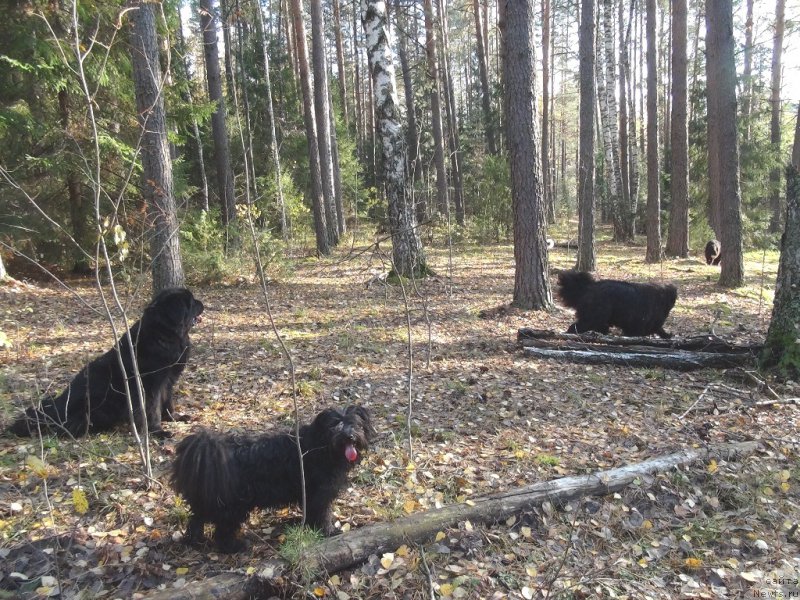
<point x="161" y="434"/>
<point x="231" y="545"/>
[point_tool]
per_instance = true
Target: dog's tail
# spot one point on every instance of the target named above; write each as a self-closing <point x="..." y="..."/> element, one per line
<point x="53" y="415"/>
<point x="572" y="285"/>
<point x="201" y="472"/>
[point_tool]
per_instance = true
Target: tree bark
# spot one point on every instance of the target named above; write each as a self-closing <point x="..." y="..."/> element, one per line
<point x="408" y="256"/>
<point x="273" y="140"/>
<point x="318" y="203"/>
<point x="442" y="203"/>
<point x="680" y="360"/>
<point x="722" y="85"/>
<point x="782" y="347"/>
<point x="483" y="74"/>
<point x="678" y="238"/>
<point x="698" y="343"/>
<point x="628" y="208"/>
<point x="412" y="129"/>
<point x="621" y="201"/>
<point x="452" y="120"/>
<point x="337" y="32"/>
<point x="322" y="118"/>
<point x="165" y="251"/>
<point x="653" y="254"/>
<point x="547" y="191"/>
<point x="586" y="205"/>
<point x="775" y="120"/>
<point x="354" y="547"/>
<point x="219" y="128"/>
<point x="712" y="128"/>
<point x="531" y="269"/>
<point x="747" y="74"/>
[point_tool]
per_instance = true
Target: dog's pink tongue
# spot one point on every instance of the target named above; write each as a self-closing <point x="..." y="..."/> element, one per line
<point x="351" y="453"/>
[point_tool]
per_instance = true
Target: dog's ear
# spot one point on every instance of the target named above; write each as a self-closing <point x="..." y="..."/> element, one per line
<point x="327" y="419"/>
<point x="361" y="414"/>
<point x="172" y="306"/>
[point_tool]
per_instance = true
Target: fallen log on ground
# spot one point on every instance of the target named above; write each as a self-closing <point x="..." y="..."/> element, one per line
<point x="681" y="360"/>
<point x="354" y="547"/>
<point x="699" y="343"/>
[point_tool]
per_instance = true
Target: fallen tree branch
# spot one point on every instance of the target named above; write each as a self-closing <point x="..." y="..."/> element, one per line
<point x="682" y="360"/>
<point x="354" y="547"/>
<point x="700" y="343"/>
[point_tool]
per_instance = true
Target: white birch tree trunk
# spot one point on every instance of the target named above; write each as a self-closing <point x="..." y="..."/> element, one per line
<point x="407" y="252"/>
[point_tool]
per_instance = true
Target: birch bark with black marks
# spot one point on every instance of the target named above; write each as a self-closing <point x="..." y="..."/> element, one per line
<point x="408" y="256"/>
<point x="586" y="204"/>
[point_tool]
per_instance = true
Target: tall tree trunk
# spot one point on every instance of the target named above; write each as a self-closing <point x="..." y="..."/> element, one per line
<point x="452" y="120"/>
<point x="412" y="128"/>
<point x="317" y="199"/>
<point x="165" y="250"/>
<point x="722" y="86"/>
<point x="273" y="140"/>
<point x="341" y="220"/>
<point x="531" y="269"/>
<point x="747" y="74"/>
<point x="628" y="207"/>
<point x="225" y="25"/>
<point x="186" y="96"/>
<point x="337" y="22"/>
<point x="607" y="124"/>
<point x="78" y="216"/>
<point x="407" y="252"/>
<point x="782" y="348"/>
<point x="678" y="239"/>
<point x="653" y="169"/>
<point x="775" y="121"/>
<point x="620" y="199"/>
<point x="436" y="112"/>
<point x="712" y="128"/>
<point x="586" y="250"/>
<point x="483" y="72"/>
<point x="322" y="117"/>
<point x="547" y="191"/>
<point x="360" y="116"/>
<point x="219" y="127"/>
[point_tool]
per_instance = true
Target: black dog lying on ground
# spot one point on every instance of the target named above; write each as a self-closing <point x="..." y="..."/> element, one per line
<point x="95" y="399"/>
<point x="713" y="252"/>
<point x="225" y="476"/>
<point x="636" y="308"/>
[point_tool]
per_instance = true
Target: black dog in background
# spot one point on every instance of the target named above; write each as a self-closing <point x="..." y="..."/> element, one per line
<point x="713" y="252"/>
<point x="95" y="399"/>
<point x="636" y="308"/>
<point x="225" y="476"/>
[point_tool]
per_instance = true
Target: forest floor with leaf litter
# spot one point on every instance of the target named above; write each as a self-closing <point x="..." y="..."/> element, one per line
<point x="485" y="418"/>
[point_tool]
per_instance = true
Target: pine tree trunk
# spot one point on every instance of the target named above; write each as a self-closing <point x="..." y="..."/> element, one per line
<point x="322" y="118"/>
<point x="442" y="203"/>
<point x="747" y="74"/>
<point x="619" y="197"/>
<point x="547" y="191"/>
<point x="712" y="127"/>
<point x="219" y="127"/>
<point x="412" y="133"/>
<point x="678" y="238"/>
<point x="782" y="348"/>
<point x="531" y="269"/>
<point x="337" y="22"/>
<point x="315" y="175"/>
<point x="341" y="220"/>
<point x="483" y="73"/>
<point x="628" y="207"/>
<point x="408" y="256"/>
<point x="722" y="86"/>
<point x="653" y="170"/>
<point x="273" y="141"/>
<point x="226" y="44"/>
<point x="165" y="250"/>
<point x="775" y="121"/>
<point x="452" y="121"/>
<point x="586" y="205"/>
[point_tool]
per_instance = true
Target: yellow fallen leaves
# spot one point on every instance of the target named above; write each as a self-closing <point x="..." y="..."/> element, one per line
<point x="37" y="465"/>
<point x="79" y="501"/>
<point x="693" y="563"/>
<point x="712" y="466"/>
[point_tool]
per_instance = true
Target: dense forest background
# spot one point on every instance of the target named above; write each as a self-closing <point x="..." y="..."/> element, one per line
<point x="242" y="143"/>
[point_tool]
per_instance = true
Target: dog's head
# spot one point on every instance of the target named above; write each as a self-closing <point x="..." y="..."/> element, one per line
<point x="348" y="433"/>
<point x="176" y="309"/>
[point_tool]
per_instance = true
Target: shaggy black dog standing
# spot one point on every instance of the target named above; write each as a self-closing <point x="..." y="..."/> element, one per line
<point x="713" y="252"/>
<point x="636" y="308"/>
<point x="225" y="476"/>
<point x="95" y="399"/>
